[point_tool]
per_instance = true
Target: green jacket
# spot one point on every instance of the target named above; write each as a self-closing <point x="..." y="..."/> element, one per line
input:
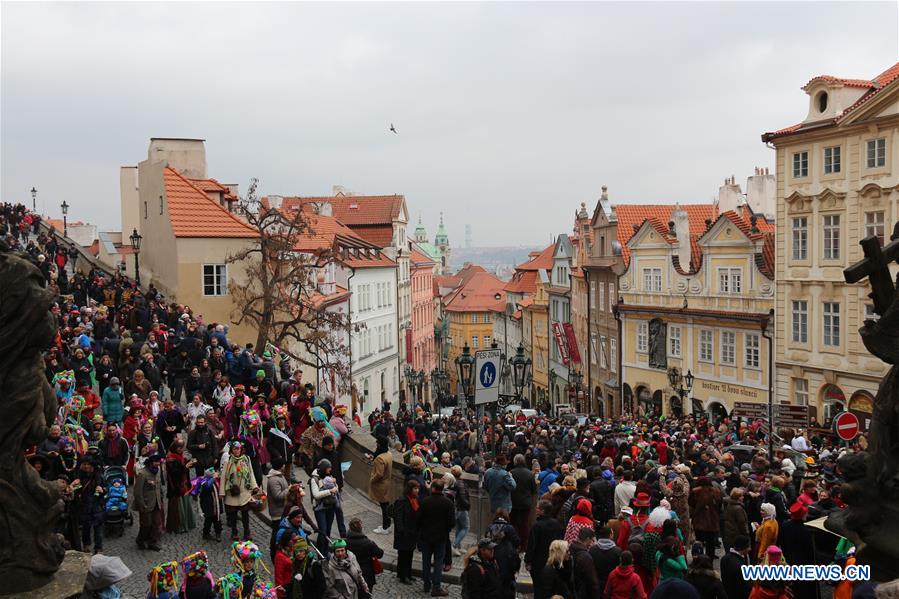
<point x="671" y="568"/>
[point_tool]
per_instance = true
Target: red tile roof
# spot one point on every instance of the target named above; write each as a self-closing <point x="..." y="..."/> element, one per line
<point x="195" y="214"/>
<point x="327" y="233"/>
<point x="631" y="217"/>
<point x="523" y="281"/>
<point x="370" y="216"/>
<point x="542" y="260"/>
<point x="875" y="87"/>
<point x="419" y="258"/>
<point x="478" y="294"/>
<point x="380" y="235"/>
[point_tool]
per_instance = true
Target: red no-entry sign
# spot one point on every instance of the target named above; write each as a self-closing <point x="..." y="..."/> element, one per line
<point x="846" y="426"/>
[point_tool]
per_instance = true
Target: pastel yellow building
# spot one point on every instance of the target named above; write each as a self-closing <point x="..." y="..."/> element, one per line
<point x="697" y="287"/>
<point x="837" y="181"/>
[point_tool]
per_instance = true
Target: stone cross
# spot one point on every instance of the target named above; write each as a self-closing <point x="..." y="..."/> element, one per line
<point x="876" y="266"/>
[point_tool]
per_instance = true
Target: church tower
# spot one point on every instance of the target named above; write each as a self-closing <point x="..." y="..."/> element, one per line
<point x="442" y="242"/>
<point x="421" y="236"/>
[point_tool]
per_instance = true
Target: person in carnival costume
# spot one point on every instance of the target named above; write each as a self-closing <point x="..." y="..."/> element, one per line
<point x="311" y="441"/>
<point x="229" y="586"/>
<point x="206" y="487"/>
<point x="238" y="485"/>
<point x="196" y="579"/>
<point x="246" y="558"/>
<point x="163" y="580"/>
<point x="251" y="435"/>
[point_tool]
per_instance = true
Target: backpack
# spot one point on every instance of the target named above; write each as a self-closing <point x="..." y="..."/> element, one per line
<point x="463" y="580"/>
<point x="636" y="532"/>
<point x="496" y="532"/>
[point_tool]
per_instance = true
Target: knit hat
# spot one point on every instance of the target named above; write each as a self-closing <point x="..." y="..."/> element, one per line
<point x="260" y="373"/>
<point x="114" y="380"/>
<point x="584" y="507"/>
<point x="675" y="588"/>
<point x="323" y="464"/>
<point x="741" y="542"/>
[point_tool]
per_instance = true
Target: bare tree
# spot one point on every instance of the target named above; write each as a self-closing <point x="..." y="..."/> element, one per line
<point x="279" y="293"/>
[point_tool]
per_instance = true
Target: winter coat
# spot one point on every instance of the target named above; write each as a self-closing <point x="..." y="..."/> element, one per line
<point x="545" y="530"/>
<point x="606" y="557"/>
<point x="707" y="583"/>
<point x="113" y="405"/>
<point x="405" y="525"/>
<point x="765" y="536"/>
<point x="463" y="501"/>
<point x="705" y="504"/>
<point x="671" y="567"/>
<point x="678" y="494"/>
<point x="736" y="522"/>
<point x="554" y="580"/>
<point x="779" y="501"/>
<point x="798" y="550"/>
<point x="524" y="495"/>
<point x="602" y="494"/>
<point x="623" y="583"/>
<point x="586" y="583"/>
<point x="206" y="457"/>
<point x="364" y="549"/>
<point x="436" y="518"/>
<point x="735" y="585"/>
<point x="275" y="486"/>
<point x="379" y="486"/>
<point x="499" y="484"/>
<point x="147" y="491"/>
<point x="481" y="579"/>
<point x="245" y="481"/>
<point x="344" y="579"/>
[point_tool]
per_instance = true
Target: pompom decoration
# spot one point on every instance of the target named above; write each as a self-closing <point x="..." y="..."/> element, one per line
<point x="163" y="578"/>
<point x="263" y="590"/>
<point x="246" y="557"/>
<point x="230" y="586"/>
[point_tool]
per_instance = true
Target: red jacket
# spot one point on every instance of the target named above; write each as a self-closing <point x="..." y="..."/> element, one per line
<point x="283" y="572"/>
<point x="624" y="583"/>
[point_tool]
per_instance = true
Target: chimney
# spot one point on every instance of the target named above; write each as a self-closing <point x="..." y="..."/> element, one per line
<point x="681" y="221"/>
<point x="730" y="196"/>
<point x="275" y="202"/>
<point x="761" y="193"/>
<point x="324" y="208"/>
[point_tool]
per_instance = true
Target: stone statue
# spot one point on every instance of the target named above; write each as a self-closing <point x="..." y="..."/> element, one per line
<point x="658" y="339"/>
<point x="30" y="552"/>
<point x="872" y="478"/>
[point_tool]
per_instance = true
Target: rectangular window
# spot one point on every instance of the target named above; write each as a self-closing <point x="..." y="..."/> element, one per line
<point x="800" y="238"/>
<point x="874" y="225"/>
<point x="800" y="165"/>
<point x="652" y="279"/>
<point x="876" y="155"/>
<point x="752" y="350"/>
<point x="832" y="324"/>
<point x="870" y="314"/>
<point x="832" y="160"/>
<point x="474" y="341"/>
<point x="800" y="392"/>
<point x="728" y="347"/>
<point x="602" y="296"/>
<point x="612" y="299"/>
<point x="706" y="346"/>
<point x="215" y="279"/>
<point x="831" y="236"/>
<point x="674" y="341"/>
<point x="474" y="317"/>
<point x="602" y="351"/>
<point x="593" y="348"/>
<point x="593" y="293"/>
<point x="486" y="340"/>
<point x="800" y="321"/>
<point x="613" y="354"/>
<point x="730" y="280"/>
<point x="642" y="337"/>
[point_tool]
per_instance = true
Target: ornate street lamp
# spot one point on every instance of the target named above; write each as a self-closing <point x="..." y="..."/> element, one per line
<point x="465" y="366"/>
<point x="34" y="200"/>
<point x="521" y="371"/>
<point x="135" y="245"/>
<point x="65" y="220"/>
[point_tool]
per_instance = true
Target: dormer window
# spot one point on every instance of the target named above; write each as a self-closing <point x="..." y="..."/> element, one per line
<point x="821" y="101"/>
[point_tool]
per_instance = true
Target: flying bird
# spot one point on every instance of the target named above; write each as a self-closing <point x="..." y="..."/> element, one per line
<point x="392" y="128"/>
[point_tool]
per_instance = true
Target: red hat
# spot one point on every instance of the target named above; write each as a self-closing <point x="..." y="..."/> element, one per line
<point x="641" y="500"/>
<point x="798" y="511"/>
<point x="584" y="507"/>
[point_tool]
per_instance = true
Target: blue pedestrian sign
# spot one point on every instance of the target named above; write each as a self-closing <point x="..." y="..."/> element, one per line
<point x="487" y="369"/>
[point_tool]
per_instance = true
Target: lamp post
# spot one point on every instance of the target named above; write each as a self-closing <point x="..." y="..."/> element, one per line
<point x="767" y="325"/>
<point x="465" y="366"/>
<point x="410" y="384"/>
<point x="552" y="386"/>
<point x="577" y="381"/>
<point x="65" y="220"/>
<point x="682" y="385"/>
<point x="521" y="371"/>
<point x="135" y="245"/>
<point x="34" y="200"/>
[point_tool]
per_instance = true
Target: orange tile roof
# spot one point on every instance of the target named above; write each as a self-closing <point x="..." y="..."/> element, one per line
<point x="327" y="233"/>
<point x="478" y="294"/>
<point x="631" y="217"/>
<point x="210" y="185"/>
<point x="195" y="214"/>
<point x="419" y="258"/>
<point x="542" y="260"/>
<point x="875" y="87"/>
<point x="358" y="210"/>
<point x="380" y="235"/>
<point x="523" y="281"/>
<point x="319" y="300"/>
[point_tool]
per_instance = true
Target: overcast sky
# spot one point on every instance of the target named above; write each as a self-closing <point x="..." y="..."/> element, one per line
<point x="509" y="115"/>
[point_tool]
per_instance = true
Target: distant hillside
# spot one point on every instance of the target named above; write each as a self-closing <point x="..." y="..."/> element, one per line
<point x="498" y="260"/>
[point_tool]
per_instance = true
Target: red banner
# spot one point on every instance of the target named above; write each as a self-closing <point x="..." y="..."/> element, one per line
<point x="572" y="343"/>
<point x="561" y="343"/>
<point x="409" y="345"/>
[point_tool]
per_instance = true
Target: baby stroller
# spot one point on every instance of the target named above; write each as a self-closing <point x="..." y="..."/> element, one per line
<point x="115" y="480"/>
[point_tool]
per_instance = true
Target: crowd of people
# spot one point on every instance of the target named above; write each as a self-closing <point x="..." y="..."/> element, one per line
<point x="623" y="508"/>
<point x="156" y="403"/>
